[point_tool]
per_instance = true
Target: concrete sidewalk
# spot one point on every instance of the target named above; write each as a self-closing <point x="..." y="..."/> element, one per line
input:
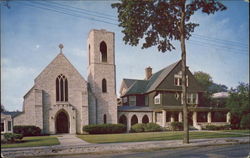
<point x="118" y="147"/>
<point x="70" y="140"/>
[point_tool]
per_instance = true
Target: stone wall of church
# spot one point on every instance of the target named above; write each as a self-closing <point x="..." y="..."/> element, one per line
<point x="77" y="91"/>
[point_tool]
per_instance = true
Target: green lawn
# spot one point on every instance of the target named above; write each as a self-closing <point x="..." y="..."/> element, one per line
<point x="153" y="136"/>
<point x="34" y="141"/>
<point x="245" y="131"/>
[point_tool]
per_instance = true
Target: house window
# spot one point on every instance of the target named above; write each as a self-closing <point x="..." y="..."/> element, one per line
<point x="124" y="100"/>
<point x="9" y="125"/>
<point x="157" y="99"/>
<point x="104" y="85"/>
<point x="61" y="88"/>
<point x="192" y="98"/>
<point x="132" y="100"/>
<point x="104" y="118"/>
<point x="146" y="100"/>
<point x="103" y="50"/>
<point x="2" y="127"/>
<point x="177" y="95"/>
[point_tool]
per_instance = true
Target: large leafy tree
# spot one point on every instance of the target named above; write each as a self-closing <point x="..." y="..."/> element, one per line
<point x="159" y="22"/>
<point x="238" y="103"/>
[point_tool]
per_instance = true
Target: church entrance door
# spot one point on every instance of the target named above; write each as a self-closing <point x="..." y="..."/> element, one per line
<point x="62" y="122"/>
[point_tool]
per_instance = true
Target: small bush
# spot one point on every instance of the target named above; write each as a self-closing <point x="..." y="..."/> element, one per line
<point x="152" y="127"/>
<point x="244" y="123"/>
<point x="213" y="127"/>
<point x="140" y="127"/>
<point x="177" y="126"/>
<point x="27" y="130"/>
<point x="104" y="128"/>
<point x="12" y="137"/>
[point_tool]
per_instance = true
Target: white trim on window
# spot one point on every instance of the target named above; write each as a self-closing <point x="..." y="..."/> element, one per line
<point x="157" y="99"/>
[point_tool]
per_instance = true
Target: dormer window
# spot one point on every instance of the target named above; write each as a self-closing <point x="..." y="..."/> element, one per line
<point x="178" y="79"/>
<point x="157" y="99"/>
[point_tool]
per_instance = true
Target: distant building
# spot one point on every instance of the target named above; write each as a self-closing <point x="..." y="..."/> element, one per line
<point x="7" y="121"/>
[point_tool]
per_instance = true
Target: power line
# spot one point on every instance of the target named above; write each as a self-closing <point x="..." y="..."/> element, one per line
<point x="65" y="11"/>
<point x="70" y="14"/>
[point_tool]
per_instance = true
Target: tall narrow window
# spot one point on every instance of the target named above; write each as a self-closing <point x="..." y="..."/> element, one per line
<point x="104" y="118"/>
<point x="103" y="50"/>
<point x="89" y="55"/>
<point x="104" y="85"/>
<point x="9" y="125"/>
<point x="61" y="88"/>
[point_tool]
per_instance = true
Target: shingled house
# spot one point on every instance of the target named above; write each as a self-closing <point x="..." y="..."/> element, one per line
<point x="157" y="99"/>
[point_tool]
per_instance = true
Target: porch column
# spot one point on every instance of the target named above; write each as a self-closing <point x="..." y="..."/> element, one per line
<point x="163" y="118"/>
<point x="194" y="118"/>
<point x="209" y="117"/>
<point x="172" y="118"/>
<point x="128" y="123"/>
<point x="228" y="117"/>
<point x="180" y="117"/>
<point x="153" y="117"/>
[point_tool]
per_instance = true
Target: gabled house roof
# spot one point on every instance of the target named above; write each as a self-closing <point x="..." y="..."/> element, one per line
<point x="144" y="86"/>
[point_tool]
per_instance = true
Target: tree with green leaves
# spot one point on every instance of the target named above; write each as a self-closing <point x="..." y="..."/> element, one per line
<point x="238" y="103"/>
<point x="159" y="22"/>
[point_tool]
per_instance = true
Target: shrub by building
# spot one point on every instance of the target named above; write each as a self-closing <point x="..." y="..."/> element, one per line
<point x="176" y="126"/>
<point x="104" y="128"/>
<point x="149" y="127"/>
<point x="27" y="130"/>
<point x="11" y="138"/>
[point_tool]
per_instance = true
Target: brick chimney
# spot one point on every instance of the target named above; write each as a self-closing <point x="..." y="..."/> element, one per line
<point x="148" y="72"/>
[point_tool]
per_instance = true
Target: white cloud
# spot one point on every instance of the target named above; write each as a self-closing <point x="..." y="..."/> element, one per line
<point x="37" y="46"/>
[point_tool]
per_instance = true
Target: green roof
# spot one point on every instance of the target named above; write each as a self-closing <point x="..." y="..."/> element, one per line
<point x="144" y="86"/>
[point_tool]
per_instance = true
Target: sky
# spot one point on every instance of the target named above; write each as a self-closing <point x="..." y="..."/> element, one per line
<point x="32" y="30"/>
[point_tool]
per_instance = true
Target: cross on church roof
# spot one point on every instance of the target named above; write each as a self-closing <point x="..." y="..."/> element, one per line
<point x="61" y="47"/>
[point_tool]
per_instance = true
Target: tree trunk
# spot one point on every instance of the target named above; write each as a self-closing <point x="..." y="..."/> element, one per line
<point x="184" y="85"/>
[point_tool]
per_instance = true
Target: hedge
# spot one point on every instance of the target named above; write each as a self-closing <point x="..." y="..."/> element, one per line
<point x="104" y="128"/>
<point x="27" y="130"/>
<point x="213" y="127"/>
<point x="176" y="126"/>
<point x="149" y="127"/>
<point x="139" y="127"/>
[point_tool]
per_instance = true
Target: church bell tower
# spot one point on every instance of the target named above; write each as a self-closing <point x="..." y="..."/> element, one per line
<point x="102" y="76"/>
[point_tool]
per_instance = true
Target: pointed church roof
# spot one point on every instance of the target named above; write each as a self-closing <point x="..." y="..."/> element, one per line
<point x="60" y="57"/>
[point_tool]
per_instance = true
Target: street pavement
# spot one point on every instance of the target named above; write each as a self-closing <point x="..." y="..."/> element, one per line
<point x="225" y="151"/>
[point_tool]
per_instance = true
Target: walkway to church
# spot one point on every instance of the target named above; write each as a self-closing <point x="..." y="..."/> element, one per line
<point x="70" y="140"/>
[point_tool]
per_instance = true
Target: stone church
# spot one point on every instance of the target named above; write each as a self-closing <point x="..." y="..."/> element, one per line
<point x="62" y="101"/>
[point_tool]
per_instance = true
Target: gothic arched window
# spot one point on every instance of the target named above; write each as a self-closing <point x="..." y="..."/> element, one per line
<point x="104" y="85"/>
<point x="103" y="50"/>
<point x="104" y="118"/>
<point x="89" y="55"/>
<point x="61" y="88"/>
